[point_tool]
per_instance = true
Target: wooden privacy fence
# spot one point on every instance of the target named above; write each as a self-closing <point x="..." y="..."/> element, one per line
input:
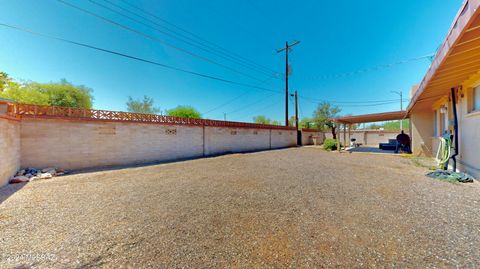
<point x="57" y="112"/>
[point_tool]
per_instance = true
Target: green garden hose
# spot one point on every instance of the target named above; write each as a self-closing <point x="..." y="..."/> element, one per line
<point x="443" y="153"/>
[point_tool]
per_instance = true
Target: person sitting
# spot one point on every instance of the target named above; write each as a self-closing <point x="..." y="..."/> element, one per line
<point x="403" y="143"/>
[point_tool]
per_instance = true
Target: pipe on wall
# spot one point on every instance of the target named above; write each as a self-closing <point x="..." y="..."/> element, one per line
<point x="455" y="129"/>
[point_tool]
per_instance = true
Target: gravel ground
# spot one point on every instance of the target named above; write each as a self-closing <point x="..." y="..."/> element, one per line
<point x="298" y="207"/>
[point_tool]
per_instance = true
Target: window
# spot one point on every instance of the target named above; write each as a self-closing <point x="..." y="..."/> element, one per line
<point x="435" y="123"/>
<point x="443" y="120"/>
<point x="476" y="99"/>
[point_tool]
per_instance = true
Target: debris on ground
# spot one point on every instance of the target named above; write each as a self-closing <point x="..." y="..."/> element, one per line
<point x="30" y="174"/>
<point x="451" y="176"/>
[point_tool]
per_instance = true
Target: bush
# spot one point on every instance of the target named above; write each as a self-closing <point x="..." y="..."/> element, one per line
<point x="330" y="144"/>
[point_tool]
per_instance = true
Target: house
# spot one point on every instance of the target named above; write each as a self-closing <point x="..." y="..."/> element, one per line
<point x="448" y="98"/>
<point x="447" y="101"/>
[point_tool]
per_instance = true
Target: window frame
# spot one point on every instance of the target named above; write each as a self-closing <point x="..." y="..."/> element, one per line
<point x="475" y="103"/>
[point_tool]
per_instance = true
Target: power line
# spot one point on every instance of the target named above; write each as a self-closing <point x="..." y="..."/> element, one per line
<point x="226" y="103"/>
<point x="374" y="68"/>
<point x="155" y="39"/>
<point x="198" y="37"/>
<point x="362" y="105"/>
<point x="251" y="104"/>
<point x="189" y="41"/>
<point x="179" y="69"/>
<point x="300" y="109"/>
<point x="233" y="99"/>
<point x="261" y="109"/>
<point x="138" y="58"/>
<point x="349" y="102"/>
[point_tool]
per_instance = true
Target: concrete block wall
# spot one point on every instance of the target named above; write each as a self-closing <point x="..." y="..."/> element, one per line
<point x="9" y="148"/>
<point x="230" y="140"/>
<point x="283" y="138"/>
<point x="366" y="137"/>
<point x="307" y="137"/>
<point x="74" y="144"/>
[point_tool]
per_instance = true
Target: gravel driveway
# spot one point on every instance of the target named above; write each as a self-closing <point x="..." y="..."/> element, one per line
<point x="298" y="207"/>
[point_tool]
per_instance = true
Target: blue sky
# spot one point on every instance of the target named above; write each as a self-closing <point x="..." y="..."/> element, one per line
<point x="336" y="37"/>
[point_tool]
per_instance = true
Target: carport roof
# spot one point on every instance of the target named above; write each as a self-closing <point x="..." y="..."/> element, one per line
<point x="394" y="115"/>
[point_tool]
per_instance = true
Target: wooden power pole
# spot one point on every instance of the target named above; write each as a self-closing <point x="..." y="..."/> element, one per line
<point x="299" y="134"/>
<point x="287" y="49"/>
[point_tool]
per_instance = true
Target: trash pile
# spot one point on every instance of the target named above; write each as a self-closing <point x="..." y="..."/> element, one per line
<point x="30" y="174"/>
<point x="449" y="175"/>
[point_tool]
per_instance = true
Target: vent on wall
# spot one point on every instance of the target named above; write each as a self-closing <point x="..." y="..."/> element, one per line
<point x="233" y="132"/>
<point x="280" y="133"/>
<point x="171" y="131"/>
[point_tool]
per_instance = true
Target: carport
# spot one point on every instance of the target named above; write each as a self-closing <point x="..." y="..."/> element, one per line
<point x="365" y="118"/>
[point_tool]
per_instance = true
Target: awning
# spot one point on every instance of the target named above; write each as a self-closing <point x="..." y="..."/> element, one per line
<point x="385" y="116"/>
<point x="457" y="59"/>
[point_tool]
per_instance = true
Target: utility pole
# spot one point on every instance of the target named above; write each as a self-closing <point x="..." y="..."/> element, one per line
<point x="296" y="108"/>
<point x="224" y="116"/>
<point x="286" y="49"/>
<point x="299" y="134"/>
<point x="401" y="106"/>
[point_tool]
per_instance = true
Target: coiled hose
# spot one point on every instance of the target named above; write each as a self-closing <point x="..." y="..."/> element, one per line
<point x="443" y="152"/>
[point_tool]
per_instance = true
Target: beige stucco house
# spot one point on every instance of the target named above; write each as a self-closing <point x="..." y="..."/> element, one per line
<point x="448" y="98"/>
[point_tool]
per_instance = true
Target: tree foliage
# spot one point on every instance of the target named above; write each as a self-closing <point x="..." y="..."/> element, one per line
<point x="322" y="117"/>
<point x="261" y="119"/>
<point x="142" y="106"/>
<point x="61" y="93"/>
<point x="5" y="80"/>
<point x="391" y="125"/>
<point x="184" y="112"/>
<point x="306" y="123"/>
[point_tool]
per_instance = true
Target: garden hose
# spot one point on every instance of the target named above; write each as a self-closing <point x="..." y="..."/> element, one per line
<point x="443" y="152"/>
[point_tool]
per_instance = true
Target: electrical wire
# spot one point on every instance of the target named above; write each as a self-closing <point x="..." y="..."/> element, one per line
<point x="350" y="102"/>
<point x="261" y="109"/>
<point x="361" y="105"/>
<point x="155" y="39"/>
<point x="176" y="35"/>
<point x="250" y="104"/>
<point x="233" y="99"/>
<point x="171" y="67"/>
<point x="137" y="58"/>
<point x="370" y="69"/>
<point x="198" y="37"/>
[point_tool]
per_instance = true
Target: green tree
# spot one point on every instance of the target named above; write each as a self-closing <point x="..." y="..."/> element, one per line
<point x="291" y="121"/>
<point x="395" y="125"/>
<point x="262" y="119"/>
<point x="322" y="117"/>
<point x="65" y="93"/>
<point x="61" y="93"/>
<point x="375" y="126"/>
<point x="391" y="125"/>
<point x="306" y="123"/>
<point x="5" y="80"/>
<point x="276" y="122"/>
<point x="184" y="112"/>
<point x="142" y="106"/>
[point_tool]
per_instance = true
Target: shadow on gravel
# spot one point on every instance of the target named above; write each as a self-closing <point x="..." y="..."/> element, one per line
<point x="146" y="164"/>
<point x="9" y="189"/>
